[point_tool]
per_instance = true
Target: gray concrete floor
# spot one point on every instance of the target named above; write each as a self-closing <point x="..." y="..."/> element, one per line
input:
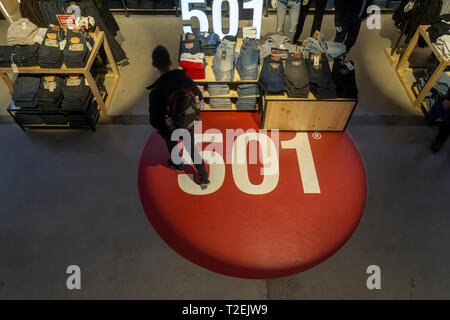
<point x="72" y="198"/>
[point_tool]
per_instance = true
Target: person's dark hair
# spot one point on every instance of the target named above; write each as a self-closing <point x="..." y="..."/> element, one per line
<point x="161" y="58"/>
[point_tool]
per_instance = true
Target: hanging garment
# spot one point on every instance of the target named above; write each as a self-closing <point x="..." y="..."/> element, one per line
<point x="424" y="14"/>
<point x="402" y="14"/>
<point x="319" y="11"/>
<point x="30" y="9"/>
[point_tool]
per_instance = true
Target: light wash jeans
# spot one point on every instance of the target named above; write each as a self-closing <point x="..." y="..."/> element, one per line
<point x="294" y="11"/>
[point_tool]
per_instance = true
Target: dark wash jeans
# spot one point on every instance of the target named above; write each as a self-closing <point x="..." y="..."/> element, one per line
<point x="271" y="79"/>
<point x="193" y="152"/>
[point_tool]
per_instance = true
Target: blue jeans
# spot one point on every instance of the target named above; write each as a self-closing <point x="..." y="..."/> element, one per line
<point x="248" y="60"/>
<point x="223" y="63"/>
<point x="271" y="79"/>
<point x="294" y="12"/>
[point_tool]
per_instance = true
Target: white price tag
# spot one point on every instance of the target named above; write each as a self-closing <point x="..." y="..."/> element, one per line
<point x="14" y="67"/>
<point x="88" y="45"/>
<point x="316" y="60"/>
<point x="62" y="45"/>
<point x="349" y="66"/>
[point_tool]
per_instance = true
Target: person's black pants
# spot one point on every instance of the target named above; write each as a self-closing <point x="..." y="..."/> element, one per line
<point x="193" y="152"/>
<point x="444" y="131"/>
<point x="318" y="17"/>
<point x="349" y="33"/>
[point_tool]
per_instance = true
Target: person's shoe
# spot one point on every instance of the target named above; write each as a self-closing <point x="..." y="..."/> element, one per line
<point x="177" y="168"/>
<point x="436" y="146"/>
<point x="204" y="184"/>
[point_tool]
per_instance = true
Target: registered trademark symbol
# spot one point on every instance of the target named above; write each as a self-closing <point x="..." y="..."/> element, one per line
<point x="317" y="136"/>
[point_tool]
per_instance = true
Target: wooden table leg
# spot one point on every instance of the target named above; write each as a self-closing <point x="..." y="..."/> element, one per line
<point x="94" y="88"/>
<point x="409" y="50"/>
<point x="8" y="82"/>
<point x="430" y="83"/>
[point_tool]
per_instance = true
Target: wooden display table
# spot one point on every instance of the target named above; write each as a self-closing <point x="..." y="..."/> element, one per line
<point x="297" y="114"/>
<point x="100" y="40"/>
<point x="417" y="97"/>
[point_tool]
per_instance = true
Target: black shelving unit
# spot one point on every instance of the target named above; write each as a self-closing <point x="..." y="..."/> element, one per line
<point x="35" y="118"/>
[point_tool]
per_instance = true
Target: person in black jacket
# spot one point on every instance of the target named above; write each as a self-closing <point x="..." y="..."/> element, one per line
<point x="444" y="127"/>
<point x="169" y="82"/>
<point x="348" y="18"/>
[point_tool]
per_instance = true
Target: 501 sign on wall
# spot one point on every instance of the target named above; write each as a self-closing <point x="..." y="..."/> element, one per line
<point x="233" y="5"/>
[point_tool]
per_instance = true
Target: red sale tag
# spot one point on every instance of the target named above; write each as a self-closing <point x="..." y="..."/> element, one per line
<point x="66" y="21"/>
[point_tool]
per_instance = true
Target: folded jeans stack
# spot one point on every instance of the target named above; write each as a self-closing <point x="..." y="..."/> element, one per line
<point x="321" y="80"/>
<point x="189" y="43"/>
<point x="345" y="77"/>
<point x="76" y="94"/>
<point x="296" y="78"/>
<point x="194" y="64"/>
<point x="50" y="53"/>
<point x="208" y="42"/>
<point x="6" y="53"/>
<point x="50" y="93"/>
<point x="76" y="52"/>
<point x="26" y="89"/>
<point x="221" y="103"/>
<point x="248" y="89"/>
<point x="26" y="56"/>
<point x="246" y="104"/>
<point x="21" y="32"/>
<point x="224" y="61"/>
<point x="80" y="120"/>
<point x="248" y="60"/>
<point x="271" y="80"/>
<point x="218" y="90"/>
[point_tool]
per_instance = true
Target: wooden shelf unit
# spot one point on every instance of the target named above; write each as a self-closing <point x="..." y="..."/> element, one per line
<point x="100" y="40"/>
<point x="210" y="79"/>
<point x="417" y="97"/>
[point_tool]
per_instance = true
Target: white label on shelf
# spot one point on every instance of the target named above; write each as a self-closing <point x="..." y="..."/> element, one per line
<point x="88" y="45"/>
<point x="316" y="60"/>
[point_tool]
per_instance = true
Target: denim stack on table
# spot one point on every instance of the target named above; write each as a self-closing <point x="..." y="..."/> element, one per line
<point x="218" y="89"/>
<point x="50" y="53"/>
<point x="221" y="103"/>
<point x="271" y="79"/>
<point x="345" y="79"/>
<point x="76" y="52"/>
<point x="26" y="89"/>
<point x="248" y="60"/>
<point x="189" y="43"/>
<point x="248" y="95"/>
<point x="321" y="80"/>
<point x="208" y="42"/>
<point x="224" y="59"/>
<point x="6" y="53"/>
<point x="248" y="89"/>
<point x="76" y="94"/>
<point x="26" y="56"/>
<point x="296" y="79"/>
<point x="50" y="93"/>
<point x="80" y="120"/>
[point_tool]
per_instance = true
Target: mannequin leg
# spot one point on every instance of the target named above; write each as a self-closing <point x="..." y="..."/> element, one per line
<point x="304" y="8"/>
<point x="352" y="33"/>
<point x="318" y="15"/>
<point x="294" y="11"/>
<point x="281" y="16"/>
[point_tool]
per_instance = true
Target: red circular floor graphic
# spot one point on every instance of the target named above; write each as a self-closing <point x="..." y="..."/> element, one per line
<point x="253" y="223"/>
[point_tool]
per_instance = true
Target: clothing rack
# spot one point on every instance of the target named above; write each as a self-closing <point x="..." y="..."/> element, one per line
<point x="417" y="97"/>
